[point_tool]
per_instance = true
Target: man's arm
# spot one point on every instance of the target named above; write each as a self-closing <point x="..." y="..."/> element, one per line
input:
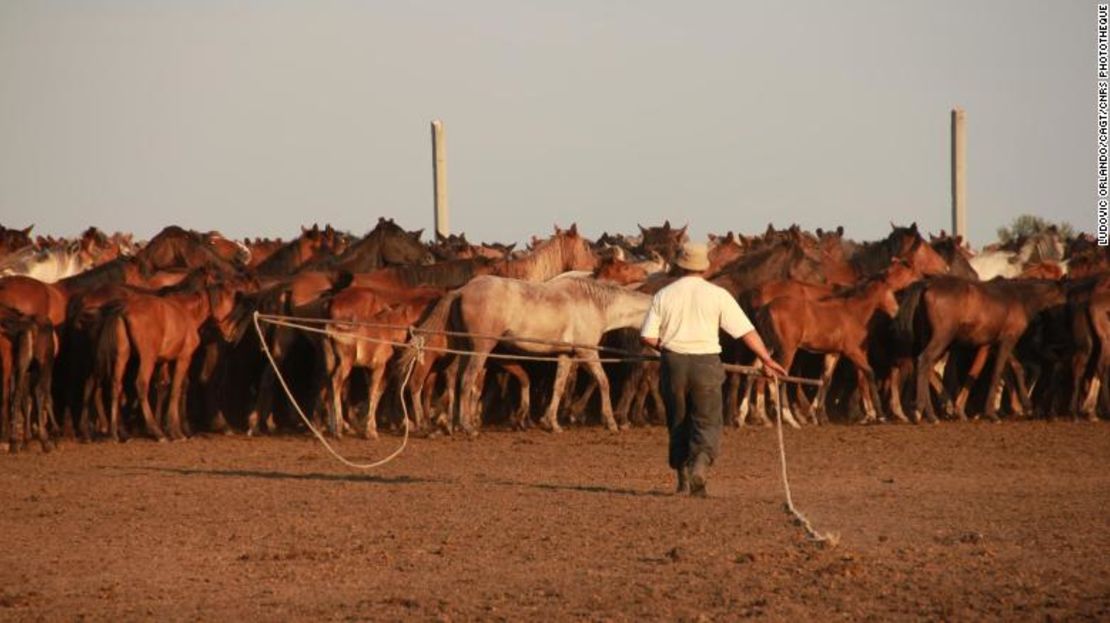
<point x="652" y="342"/>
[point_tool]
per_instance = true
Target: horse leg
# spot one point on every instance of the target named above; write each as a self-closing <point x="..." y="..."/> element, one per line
<point x="923" y="400"/>
<point x="868" y="390"/>
<point x="551" y="417"/>
<point x="142" y="388"/>
<point x="1005" y="348"/>
<point x="177" y="395"/>
<point x="469" y="402"/>
<point x="820" y="409"/>
<point x="339" y="375"/>
<point x="578" y="405"/>
<point x="748" y="381"/>
<point x="374" y="396"/>
<point x="732" y="406"/>
<point x="523" y="413"/>
<point x="972" y="376"/>
<point x="656" y="396"/>
<point x="594" y="367"/>
<point x="1024" y="396"/>
<point x="628" y="392"/>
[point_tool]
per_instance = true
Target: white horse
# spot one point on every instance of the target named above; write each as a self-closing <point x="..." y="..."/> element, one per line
<point x="569" y="314"/>
<point x="47" y="264"/>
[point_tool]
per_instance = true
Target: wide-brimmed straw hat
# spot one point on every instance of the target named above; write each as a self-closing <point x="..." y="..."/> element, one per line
<point x="694" y="256"/>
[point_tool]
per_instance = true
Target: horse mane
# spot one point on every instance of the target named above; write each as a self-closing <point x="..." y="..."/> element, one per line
<point x="542" y="263"/>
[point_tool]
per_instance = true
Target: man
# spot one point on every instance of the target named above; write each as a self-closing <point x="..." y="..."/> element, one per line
<point x="683" y="325"/>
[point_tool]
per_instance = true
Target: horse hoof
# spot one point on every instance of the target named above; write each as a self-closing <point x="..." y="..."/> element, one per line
<point x="11" y="448"/>
<point x="47" y="446"/>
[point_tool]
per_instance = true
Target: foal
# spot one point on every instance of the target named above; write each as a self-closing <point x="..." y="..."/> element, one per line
<point x="836" y="325"/>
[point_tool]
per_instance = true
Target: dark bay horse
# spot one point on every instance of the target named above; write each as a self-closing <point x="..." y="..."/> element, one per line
<point x="175" y="247"/>
<point x="313" y="245"/>
<point x="976" y="314"/>
<point x="386" y="245"/>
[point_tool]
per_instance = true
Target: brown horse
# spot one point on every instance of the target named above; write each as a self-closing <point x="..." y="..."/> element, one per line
<point x="312" y="245"/>
<point x="834" y="325"/>
<point x="1089" y="317"/>
<point x="386" y="245"/>
<point x="157" y="330"/>
<point x="174" y="247"/>
<point x="27" y="349"/>
<point x="664" y="241"/>
<point x="356" y="346"/>
<point x="975" y="314"/>
<point x="12" y="240"/>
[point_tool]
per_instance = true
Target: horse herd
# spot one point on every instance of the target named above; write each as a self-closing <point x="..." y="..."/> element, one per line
<point x="105" y="337"/>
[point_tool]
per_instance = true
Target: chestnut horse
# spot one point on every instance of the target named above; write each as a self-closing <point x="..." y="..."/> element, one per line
<point x="836" y="325"/>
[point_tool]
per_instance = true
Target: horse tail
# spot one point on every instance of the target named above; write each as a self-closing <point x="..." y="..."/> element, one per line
<point x="436" y="321"/>
<point x="113" y="324"/>
<point x="765" y="325"/>
<point x="907" y="311"/>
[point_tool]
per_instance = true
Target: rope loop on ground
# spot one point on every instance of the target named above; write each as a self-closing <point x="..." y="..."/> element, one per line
<point x="319" y="436"/>
<point x="812" y="534"/>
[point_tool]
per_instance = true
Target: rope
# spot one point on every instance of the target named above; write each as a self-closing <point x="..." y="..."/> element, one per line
<point x="440" y="349"/>
<point x="416" y="341"/>
<point x="381" y="325"/>
<point x="319" y="436"/>
<point x="811" y="533"/>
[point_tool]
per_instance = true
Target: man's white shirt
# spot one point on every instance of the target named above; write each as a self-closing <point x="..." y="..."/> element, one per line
<point x="687" y="314"/>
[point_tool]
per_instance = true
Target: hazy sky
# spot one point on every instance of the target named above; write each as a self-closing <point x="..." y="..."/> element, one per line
<point x="255" y="117"/>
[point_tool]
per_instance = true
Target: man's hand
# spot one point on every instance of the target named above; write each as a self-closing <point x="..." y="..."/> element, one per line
<point x="772" y="367"/>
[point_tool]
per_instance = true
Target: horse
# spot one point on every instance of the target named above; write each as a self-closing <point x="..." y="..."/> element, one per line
<point x="1009" y="260"/>
<point x="833" y="325"/>
<point x="976" y="314"/>
<point x="353" y="345"/>
<point x="312" y="245"/>
<point x="570" y="315"/>
<point x="564" y="251"/>
<point x="174" y="247"/>
<point x="952" y="250"/>
<point x="157" y="330"/>
<point x="386" y="245"/>
<point x="12" y="240"/>
<point x="663" y="241"/>
<point x="906" y="243"/>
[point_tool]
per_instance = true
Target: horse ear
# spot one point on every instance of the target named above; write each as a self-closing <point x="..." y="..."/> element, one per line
<point x="893" y="226"/>
<point x="839" y="230"/>
<point x="573" y="229"/>
<point x="913" y="227"/>
<point x="27" y="230"/>
<point x="682" y="232"/>
<point x="667" y="225"/>
<point x="509" y="248"/>
<point x="418" y="233"/>
<point x="820" y="232"/>
<point x="642" y="230"/>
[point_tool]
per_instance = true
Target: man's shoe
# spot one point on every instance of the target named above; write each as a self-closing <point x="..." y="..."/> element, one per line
<point x="699" y="474"/>
<point x="683" y="480"/>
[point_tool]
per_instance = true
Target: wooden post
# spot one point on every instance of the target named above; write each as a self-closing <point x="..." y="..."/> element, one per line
<point x="439" y="174"/>
<point x="959" y="172"/>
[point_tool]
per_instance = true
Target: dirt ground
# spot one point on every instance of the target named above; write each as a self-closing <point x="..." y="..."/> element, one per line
<point x="940" y="522"/>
